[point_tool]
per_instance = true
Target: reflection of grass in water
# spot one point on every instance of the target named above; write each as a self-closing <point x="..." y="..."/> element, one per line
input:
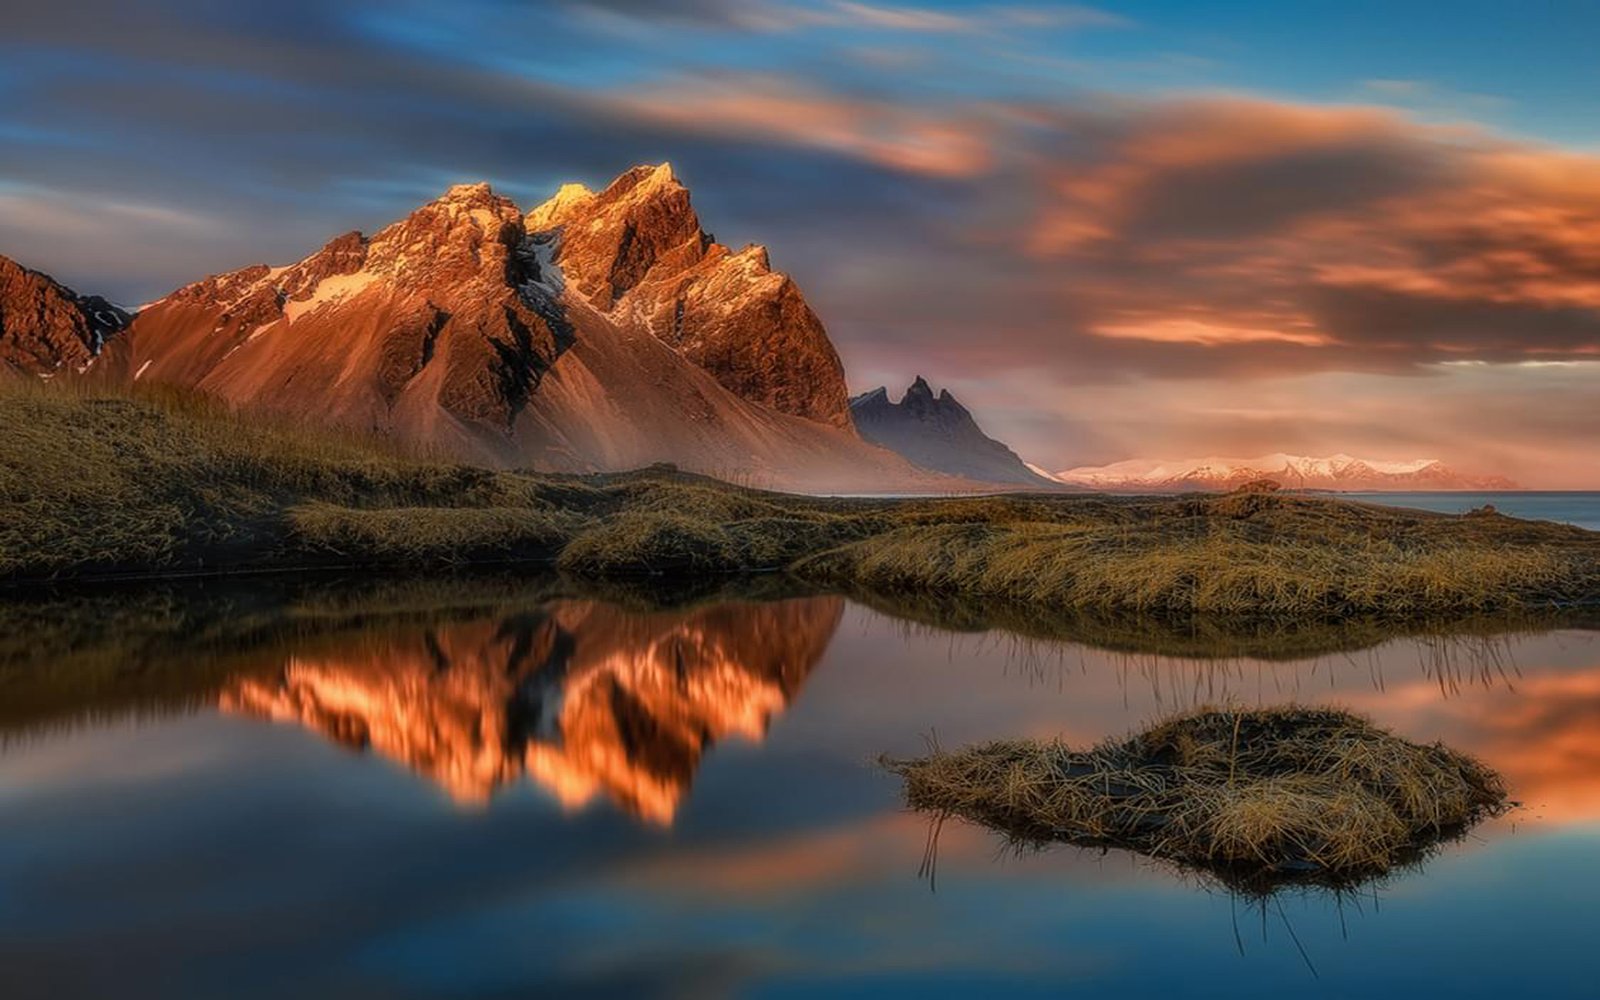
<point x="1245" y="666"/>
<point x="168" y="648"/>
<point x="1453" y="663"/>
<point x="1212" y="637"/>
<point x="1254" y="800"/>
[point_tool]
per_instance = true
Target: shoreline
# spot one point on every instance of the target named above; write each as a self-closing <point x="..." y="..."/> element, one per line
<point x="131" y="491"/>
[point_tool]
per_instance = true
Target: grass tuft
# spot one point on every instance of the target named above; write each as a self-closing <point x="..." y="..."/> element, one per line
<point x="1256" y="799"/>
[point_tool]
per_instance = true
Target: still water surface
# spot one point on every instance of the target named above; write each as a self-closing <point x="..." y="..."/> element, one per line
<point x="1565" y="507"/>
<point x="540" y="797"/>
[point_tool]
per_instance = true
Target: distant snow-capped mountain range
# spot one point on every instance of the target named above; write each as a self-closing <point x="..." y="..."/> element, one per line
<point x="1337" y="472"/>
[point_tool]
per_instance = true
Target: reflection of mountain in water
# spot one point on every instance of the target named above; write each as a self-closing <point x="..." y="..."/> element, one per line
<point x="585" y="698"/>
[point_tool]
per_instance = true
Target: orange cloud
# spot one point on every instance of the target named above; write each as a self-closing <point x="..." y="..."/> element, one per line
<point x="773" y="109"/>
<point x="1182" y="330"/>
<point x="1369" y="229"/>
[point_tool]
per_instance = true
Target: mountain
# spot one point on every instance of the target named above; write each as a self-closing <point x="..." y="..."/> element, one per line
<point x="46" y="327"/>
<point x="1339" y="472"/>
<point x="599" y="331"/>
<point x="586" y="699"/>
<point x="938" y="433"/>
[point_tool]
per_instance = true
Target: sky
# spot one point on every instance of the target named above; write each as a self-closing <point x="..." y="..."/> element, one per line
<point x="1134" y="229"/>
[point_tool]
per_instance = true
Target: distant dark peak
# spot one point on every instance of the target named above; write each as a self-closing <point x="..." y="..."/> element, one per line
<point x="937" y="432"/>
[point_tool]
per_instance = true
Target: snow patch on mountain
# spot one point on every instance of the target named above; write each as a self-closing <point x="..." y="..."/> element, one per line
<point x="1341" y="471"/>
<point x="334" y="288"/>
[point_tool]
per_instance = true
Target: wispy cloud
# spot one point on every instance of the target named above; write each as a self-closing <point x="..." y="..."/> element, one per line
<point x="774" y="109"/>
<point x="969" y="20"/>
<point x="1431" y="98"/>
<point x="1357" y="227"/>
<point x="777" y="16"/>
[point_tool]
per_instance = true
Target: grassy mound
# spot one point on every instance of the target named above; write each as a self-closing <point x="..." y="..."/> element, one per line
<point x="1290" y="555"/>
<point x="421" y="536"/>
<point x="1256" y="799"/>
<point x="161" y="483"/>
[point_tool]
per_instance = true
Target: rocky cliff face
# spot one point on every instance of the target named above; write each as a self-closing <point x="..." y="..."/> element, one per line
<point x="45" y="327"/>
<point x="600" y="331"/>
<point x="938" y="433"/>
<point x="585" y="699"/>
<point x="434" y="327"/>
<point x="636" y="253"/>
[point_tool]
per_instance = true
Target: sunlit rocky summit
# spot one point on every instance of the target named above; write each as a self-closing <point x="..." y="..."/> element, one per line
<point x="599" y="331"/>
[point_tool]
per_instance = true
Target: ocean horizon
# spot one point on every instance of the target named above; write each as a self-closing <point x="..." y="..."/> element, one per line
<point x="1576" y="507"/>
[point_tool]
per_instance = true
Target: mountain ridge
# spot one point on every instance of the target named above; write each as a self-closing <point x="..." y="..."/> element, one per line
<point x="1337" y="472"/>
<point x="938" y="433"/>
<point x="46" y="327"/>
<point x="597" y="331"/>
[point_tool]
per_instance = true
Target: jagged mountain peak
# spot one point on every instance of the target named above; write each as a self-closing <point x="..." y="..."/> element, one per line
<point x="458" y="248"/>
<point x="756" y="255"/>
<point x="46" y="327"/>
<point x="568" y="201"/>
<point x="919" y="398"/>
<point x="937" y="432"/>
<point x="607" y="243"/>
<point x="636" y="252"/>
<point x="471" y="193"/>
<point x="644" y="178"/>
<point x="469" y="231"/>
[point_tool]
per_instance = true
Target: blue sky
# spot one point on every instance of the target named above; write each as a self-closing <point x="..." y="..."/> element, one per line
<point x="1101" y="225"/>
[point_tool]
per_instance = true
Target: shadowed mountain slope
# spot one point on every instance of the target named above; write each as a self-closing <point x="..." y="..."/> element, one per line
<point x="938" y="433"/>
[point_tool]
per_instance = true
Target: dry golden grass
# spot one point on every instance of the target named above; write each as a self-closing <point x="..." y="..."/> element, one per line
<point x="163" y="482"/>
<point x="1225" y="566"/>
<point x="430" y="536"/>
<point x="168" y="482"/>
<point x="1256" y="799"/>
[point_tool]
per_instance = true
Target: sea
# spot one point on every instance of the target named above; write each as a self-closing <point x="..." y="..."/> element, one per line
<point x="1581" y="508"/>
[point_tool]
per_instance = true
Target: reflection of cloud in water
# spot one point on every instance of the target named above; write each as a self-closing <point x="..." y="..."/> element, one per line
<point x="584" y="698"/>
<point x="1528" y="704"/>
<point x="1543" y="735"/>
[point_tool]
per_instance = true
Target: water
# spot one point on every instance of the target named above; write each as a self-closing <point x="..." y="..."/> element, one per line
<point x="425" y="793"/>
<point x="1579" y="508"/>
